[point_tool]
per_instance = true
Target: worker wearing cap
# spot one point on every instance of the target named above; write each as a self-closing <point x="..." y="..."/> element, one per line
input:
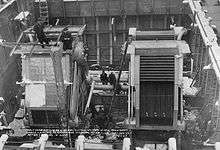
<point x="67" y="40"/>
<point x="39" y="32"/>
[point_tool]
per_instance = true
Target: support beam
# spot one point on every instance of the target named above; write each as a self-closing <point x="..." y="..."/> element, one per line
<point x="111" y="40"/>
<point x="90" y="97"/>
<point x="18" y="41"/>
<point x="151" y="21"/>
<point x="97" y="42"/>
<point x="109" y="87"/>
<point x="56" y="55"/>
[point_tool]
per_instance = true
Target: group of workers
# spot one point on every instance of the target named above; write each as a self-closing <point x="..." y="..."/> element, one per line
<point x="65" y="37"/>
<point x="108" y="79"/>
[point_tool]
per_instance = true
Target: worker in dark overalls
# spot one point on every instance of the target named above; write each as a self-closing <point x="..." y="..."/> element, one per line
<point x="67" y="39"/>
<point x="39" y="32"/>
<point x="100" y="116"/>
<point x="104" y="78"/>
<point x="112" y="79"/>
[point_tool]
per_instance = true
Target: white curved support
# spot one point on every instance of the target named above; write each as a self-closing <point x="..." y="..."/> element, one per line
<point x="217" y="145"/>
<point x="3" y="140"/>
<point x="172" y="144"/>
<point x="80" y="142"/>
<point x="42" y="141"/>
<point x="181" y="33"/>
<point x="126" y="144"/>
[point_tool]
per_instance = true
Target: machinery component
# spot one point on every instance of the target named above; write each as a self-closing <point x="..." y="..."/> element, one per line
<point x="156" y="75"/>
<point x="43" y="75"/>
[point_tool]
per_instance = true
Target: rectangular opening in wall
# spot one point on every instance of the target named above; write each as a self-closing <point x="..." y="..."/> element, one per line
<point x="156" y="103"/>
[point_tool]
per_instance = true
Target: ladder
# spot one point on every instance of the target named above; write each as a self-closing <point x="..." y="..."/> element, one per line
<point x="43" y="9"/>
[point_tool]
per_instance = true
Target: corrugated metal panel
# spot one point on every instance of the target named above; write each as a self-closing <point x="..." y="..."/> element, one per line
<point x="155" y="35"/>
<point x="157" y="68"/>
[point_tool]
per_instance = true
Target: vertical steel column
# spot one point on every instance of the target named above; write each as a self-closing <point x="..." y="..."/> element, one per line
<point x="165" y="21"/>
<point x="110" y="40"/>
<point x="97" y="38"/>
<point x="151" y="21"/>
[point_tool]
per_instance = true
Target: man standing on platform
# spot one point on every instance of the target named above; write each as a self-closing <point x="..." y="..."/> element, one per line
<point x="39" y="32"/>
<point x="67" y="39"/>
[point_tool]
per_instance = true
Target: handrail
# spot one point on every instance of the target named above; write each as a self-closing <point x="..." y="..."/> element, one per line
<point x="207" y="34"/>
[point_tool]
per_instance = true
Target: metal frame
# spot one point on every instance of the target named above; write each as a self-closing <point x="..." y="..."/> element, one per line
<point x="177" y="83"/>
